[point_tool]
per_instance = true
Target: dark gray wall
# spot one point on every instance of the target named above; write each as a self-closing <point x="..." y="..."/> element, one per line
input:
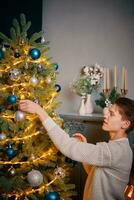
<point x="85" y="32"/>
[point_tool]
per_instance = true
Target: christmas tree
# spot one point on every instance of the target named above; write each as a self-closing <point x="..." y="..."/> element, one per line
<point x="31" y="168"/>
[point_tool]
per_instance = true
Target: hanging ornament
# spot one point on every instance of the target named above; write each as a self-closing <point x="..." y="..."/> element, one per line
<point x="10" y="152"/>
<point x="42" y="40"/>
<point x="59" y="172"/>
<point x="48" y="80"/>
<point x="57" y="87"/>
<point x="22" y="41"/>
<point x="40" y="68"/>
<point x="16" y="54"/>
<point x="36" y="101"/>
<point x="2" y="136"/>
<point x="19" y="115"/>
<point x="35" y="178"/>
<point x="11" y="99"/>
<point x="1" y="54"/>
<point x="56" y="66"/>
<point x="32" y="157"/>
<point x="12" y="171"/>
<point x="52" y="196"/>
<point x="26" y="65"/>
<point x="34" y="53"/>
<point x="14" y="74"/>
<point x="3" y="48"/>
<point x="34" y="80"/>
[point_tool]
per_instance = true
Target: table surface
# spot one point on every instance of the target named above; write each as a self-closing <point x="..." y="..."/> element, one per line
<point x="87" y="117"/>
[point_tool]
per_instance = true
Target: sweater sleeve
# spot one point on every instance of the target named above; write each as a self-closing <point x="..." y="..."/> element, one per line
<point x="88" y="153"/>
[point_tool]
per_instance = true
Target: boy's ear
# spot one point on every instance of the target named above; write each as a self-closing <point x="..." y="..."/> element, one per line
<point x="126" y="124"/>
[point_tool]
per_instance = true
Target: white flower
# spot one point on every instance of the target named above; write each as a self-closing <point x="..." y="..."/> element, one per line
<point x="89" y="80"/>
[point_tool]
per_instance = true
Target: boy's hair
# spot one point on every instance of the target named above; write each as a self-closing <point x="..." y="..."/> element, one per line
<point x="126" y="109"/>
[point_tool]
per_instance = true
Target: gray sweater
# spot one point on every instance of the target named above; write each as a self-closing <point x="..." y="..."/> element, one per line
<point x="113" y="161"/>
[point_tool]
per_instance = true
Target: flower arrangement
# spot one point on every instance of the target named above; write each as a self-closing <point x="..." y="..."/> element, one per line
<point x="89" y="80"/>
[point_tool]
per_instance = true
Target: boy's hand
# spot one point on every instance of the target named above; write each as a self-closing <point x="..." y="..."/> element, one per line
<point x="80" y="137"/>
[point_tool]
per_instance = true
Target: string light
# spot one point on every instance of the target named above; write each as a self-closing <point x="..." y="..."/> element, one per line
<point x="44" y="156"/>
<point x="30" y="191"/>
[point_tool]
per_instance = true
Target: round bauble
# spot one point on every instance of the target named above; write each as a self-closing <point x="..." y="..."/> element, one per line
<point x="12" y="171"/>
<point x="1" y="54"/>
<point x="14" y="74"/>
<point x="19" y="115"/>
<point x="34" y="53"/>
<point x="10" y="152"/>
<point x="34" y="81"/>
<point x="48" y="80"/>
<point x="11" y="99"/>
<point x="35" y="178"/>
<point x="16" y="54"/>
<point x="57" y="87"/>
<point x="59" y="172"/>
<point x="52" y="196"/>
<point x="56" y="66"/>
<point x="2" y="136"/>
<point x="40" y="68"/>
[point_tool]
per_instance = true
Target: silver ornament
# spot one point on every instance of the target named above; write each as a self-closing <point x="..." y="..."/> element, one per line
<point x="35" y="178"/>
<point x="2" y="136"/>
<point x="40" y="68"/>
<point x="36" y="101"/>
<point x="14" y="74"/>
<point x="48" y="80"/>
<point x="19" y="115"/>
<point x="26" y="65"/>
<point x="34" y="80"/>
<point x="12" y="171"/>
<point x="59" y="172"/>
<point x="42" y="40"/>
<point x="33" y="157"/>
<point x="3" y="48"/>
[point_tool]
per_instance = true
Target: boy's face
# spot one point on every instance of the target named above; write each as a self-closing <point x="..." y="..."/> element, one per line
<point x="113" y="121"/>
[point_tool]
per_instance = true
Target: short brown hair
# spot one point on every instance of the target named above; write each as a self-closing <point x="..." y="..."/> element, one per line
<point x="126" y="109"/>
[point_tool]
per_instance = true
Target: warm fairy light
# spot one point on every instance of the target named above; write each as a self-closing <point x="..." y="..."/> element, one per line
<point x="14" y="85"/>
<point x="30" y="191"/>
<point x="53" y="95"/>
<point x="19" y="139"/>
<point x="44" y="156"/>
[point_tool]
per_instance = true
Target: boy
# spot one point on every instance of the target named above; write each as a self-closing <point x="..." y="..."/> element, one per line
<point x="110" y="162"/>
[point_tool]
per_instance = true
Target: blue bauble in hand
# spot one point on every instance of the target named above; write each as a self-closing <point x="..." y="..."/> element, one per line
<point x="34" y="53"/>
<point x="57" y="87"/>
<point x="1" y="54"/>
<point x="10" y="152"/>
<point x="56" y="66"/>
<point x="11" y="99"/>
<point x="52" y="196"/>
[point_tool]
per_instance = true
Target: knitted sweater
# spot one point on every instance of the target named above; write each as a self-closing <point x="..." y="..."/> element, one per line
<point x="113" y="161"/>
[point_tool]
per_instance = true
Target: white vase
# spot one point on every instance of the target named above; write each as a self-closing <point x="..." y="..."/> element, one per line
<point x="88" y="104"/>
<point x="82" y="106"/>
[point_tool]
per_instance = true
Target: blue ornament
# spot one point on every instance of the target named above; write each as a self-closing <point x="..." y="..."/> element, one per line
<point x="52" y="196"/>
<point x="1" y="54"/>
<point x="10" y="152"/>
<point x="57" y="87"/>
<point x="11" y="99"/>
<point x="34" y="53"/>
<point x="56" y="66"/>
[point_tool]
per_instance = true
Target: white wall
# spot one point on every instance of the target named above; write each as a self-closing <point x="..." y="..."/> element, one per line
<point x="85" y="32"/>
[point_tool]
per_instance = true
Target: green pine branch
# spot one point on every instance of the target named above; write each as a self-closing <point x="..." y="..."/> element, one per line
<point x="111" y="97"/>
